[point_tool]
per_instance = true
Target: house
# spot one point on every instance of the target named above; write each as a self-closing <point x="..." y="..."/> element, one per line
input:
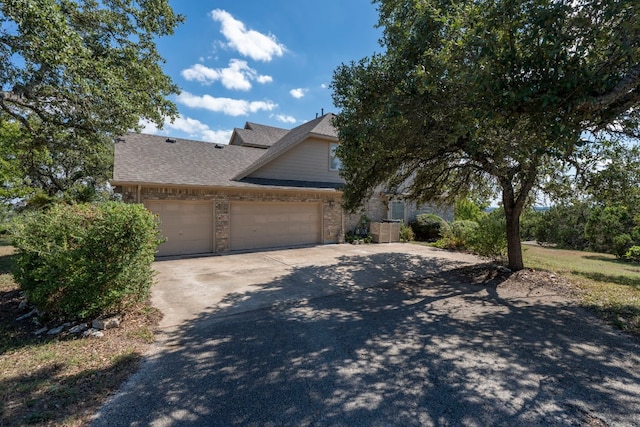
<point x="269" y="187"/>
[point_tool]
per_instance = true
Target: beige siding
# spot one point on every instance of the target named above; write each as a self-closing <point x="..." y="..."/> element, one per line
<point x="308" y="161"/>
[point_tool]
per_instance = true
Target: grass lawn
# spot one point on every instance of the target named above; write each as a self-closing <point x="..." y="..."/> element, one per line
<point x="61" y="380"/>
<point x="607" y="285"/>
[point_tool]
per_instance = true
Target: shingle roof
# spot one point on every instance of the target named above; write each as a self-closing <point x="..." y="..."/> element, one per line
<point x="321" y="126"/>
<point x="150" y="159"/>
<point x="256" y="135"/>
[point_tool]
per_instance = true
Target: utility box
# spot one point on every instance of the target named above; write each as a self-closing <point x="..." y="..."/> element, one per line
<point x="385" y="232"/>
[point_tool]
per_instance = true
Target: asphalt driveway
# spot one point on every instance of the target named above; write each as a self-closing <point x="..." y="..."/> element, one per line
<point x="372" y="335"/>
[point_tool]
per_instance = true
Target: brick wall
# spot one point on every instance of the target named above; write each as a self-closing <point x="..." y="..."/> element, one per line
<point x="332" y="216"/>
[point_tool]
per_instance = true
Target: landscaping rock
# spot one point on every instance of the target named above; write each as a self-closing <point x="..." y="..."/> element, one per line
<point x="108" y="323"/>
<point x="56" y="331"/>
<point x="41" y="331"/>
<point x="59" y="329"/>
<point x="91" y="332"/>
<point x="79" y="328"/>
<point x="32" y="313"/>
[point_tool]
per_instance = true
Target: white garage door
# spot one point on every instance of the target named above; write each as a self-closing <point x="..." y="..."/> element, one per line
<point x="187" y="226"/>
<point x="272" y="225"/>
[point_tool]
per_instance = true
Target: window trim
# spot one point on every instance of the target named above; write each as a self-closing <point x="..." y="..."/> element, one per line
<point x="404" y="209"/>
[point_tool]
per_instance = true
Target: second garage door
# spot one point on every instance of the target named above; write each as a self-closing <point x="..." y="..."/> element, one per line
<point x="272" y="225"/>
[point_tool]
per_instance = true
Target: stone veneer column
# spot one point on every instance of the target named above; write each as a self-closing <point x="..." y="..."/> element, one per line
<point x="332" y="221"/>
<point x="222" y="228"/>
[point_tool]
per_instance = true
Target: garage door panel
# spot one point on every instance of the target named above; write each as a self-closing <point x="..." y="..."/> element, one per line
<point x="270" y="225"/>
<point x="186" y="225"/>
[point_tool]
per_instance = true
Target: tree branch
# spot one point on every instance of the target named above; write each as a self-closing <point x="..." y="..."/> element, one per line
<point x="629" y="83"/>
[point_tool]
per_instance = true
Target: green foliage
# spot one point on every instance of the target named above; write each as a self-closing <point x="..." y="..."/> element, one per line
<point x="63" y="167"/>
<point x="604" y="224"/>
<point x="88" y="66"/>
<point x="529" y="223"/>
<point x="617" y="182"/>
<point x="429" y="227"/>
<point x="86" y="260"/>
<point x="464" y="229"/>
<point x="479" y="95"/>
<point x="7" y="215"/>
<point x="406" y="233"/>
<point x="357" y="238"/>
<point x="458" y="235"/>
<point x="489" y="238"/>
<point x="74" y="76"/>
<point x="563" y="225"/>
<point x="633" y="254"/>
<point x="621" y="245"/>
<point x="466" y="209"/>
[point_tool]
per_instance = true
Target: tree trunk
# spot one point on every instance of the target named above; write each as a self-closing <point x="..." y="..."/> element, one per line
<point x="512" y="211"/>
<point x="514" y="246"/>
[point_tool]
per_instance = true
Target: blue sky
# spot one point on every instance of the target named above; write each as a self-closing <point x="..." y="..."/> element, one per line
<point x="268" y="62"/>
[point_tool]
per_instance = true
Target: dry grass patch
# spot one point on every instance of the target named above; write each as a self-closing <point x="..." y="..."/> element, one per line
<point x="607" y="285"/>
<point x="61" y="380"/>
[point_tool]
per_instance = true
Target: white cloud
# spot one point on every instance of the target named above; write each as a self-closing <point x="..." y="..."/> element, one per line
<point x="228" y="106"/>
<point x="298" y="93"/>
<point x="237" y="76"/>
<point x="251" y="43"/>
<point x="194" y="128"/>
<point x="285" y="119"/>
<point x="324" y="86"/>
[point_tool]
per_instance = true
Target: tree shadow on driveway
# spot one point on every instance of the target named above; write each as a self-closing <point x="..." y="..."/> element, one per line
<point x="430" y="345"/>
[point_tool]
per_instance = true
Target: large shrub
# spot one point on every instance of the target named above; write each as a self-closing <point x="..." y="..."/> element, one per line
<point x="458" y="235"/>
<point x="621" y="244"/>
<point x="429" y="227"/>
<point x="463" y="230"/>
<point x="563" y="225"/>
<point x="83" y="261"/>
<point x="530" y="222"/>
<point x="604" y="225"/>
<point x="490" y="238"/>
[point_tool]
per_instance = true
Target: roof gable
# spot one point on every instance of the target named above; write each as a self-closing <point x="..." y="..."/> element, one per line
<point x="321" y="127"/>
<point x="256" y="135"/>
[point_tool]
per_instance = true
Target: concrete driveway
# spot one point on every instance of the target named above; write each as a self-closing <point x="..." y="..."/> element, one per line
<point x="372" y="335"/>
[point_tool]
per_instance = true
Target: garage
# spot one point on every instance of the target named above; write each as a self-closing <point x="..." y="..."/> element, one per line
<point x="257" y="225"/>
<point x="187" y="226"/>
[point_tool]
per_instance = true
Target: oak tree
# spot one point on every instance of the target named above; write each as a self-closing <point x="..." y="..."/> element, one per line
<point x="486" y="94"/>
<point x="75" y="75"/>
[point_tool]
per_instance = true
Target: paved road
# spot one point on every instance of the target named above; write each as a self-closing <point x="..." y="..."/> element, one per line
<point x="375" y="335"/>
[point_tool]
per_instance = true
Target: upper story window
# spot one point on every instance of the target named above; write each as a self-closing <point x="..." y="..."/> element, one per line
<point x="334" y="162"/>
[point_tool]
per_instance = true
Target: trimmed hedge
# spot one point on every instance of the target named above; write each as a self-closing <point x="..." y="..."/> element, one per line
<point x="83" y="261"/>
<point x="429" y="227"/>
